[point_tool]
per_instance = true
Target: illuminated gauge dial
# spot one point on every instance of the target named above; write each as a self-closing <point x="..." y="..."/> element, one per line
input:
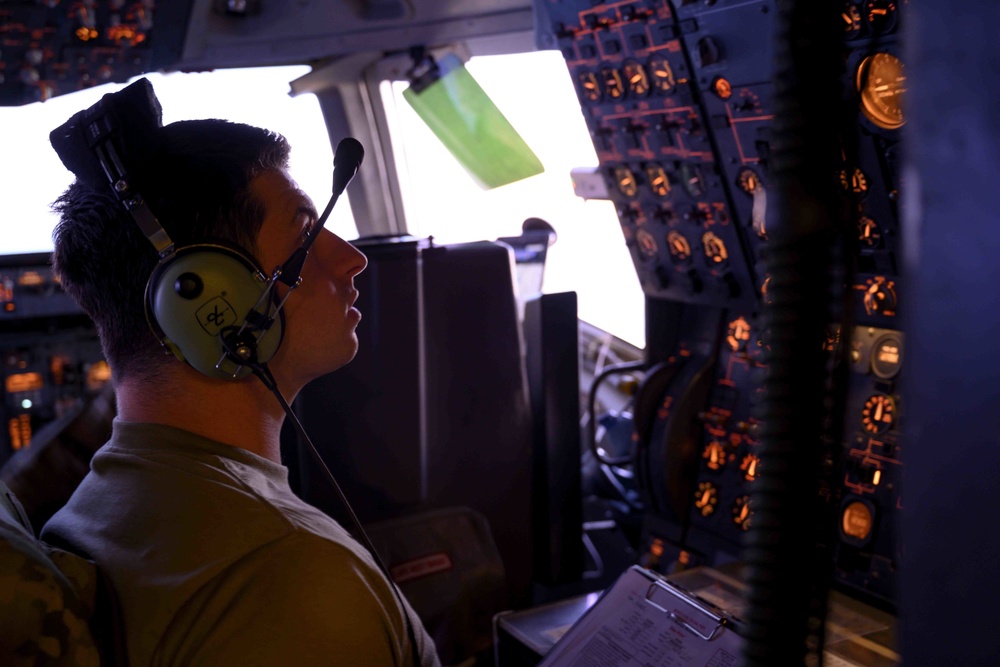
<point x="715" y="249"/>
<point x="625" y="181"/>
<point x="882" y="84"/>
<point x="749" y="465"/>
<point x="661" y="74"/>
<point x="880" y="298"/>
<point x="887" y="357"/>
<point x="635" y="75"/>
<point x="881" y="15"/>
<point x="659" y="183"/>
<point x="742" y="513"/>
<point x="722" y="88"/>
<point x="869" y="234"/>
<point x="646" y="244"/>
<point x="857" y="520"/>
<point x="878" y="414"/>
<point x="613" y="86"/>
<point x="854" y="181"/>
<point x="714" y="455"/>
<point x="747" y="180"/>
<point x="680" y="249"/>
<point x="739" y="334"/>
<point x="852" y="20"/>
<point x="706" y="498"/>
<point x="590" y="86"/>
<point x="692" y="179"/>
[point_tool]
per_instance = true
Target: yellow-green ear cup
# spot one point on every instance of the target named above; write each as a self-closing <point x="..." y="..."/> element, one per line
<point x="202" y="292"/>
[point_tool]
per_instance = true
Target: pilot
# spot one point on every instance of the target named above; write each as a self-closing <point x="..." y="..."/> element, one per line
<point x="187" y="509"/>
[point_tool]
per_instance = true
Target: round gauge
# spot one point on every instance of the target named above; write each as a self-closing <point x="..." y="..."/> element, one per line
<point x="706" y="498"/>
<point x="880" y="298"/>
<point x="747" y="180"/>
<point x="852" y="20"/>
<point x="635" y="75"/>
<point x="887" y="357"/>
<point x="878" y="413"/>
<point x="722" y="88"/>
<point x="661" y="73"/>
<point x="715" y="249"/>
<point x="869" y="235"/>
<point x="882" y="84"/>
<point x="646" y="244"/>
<point x="613" y="86"/>
<point x="659" y="183"/>
<point x="692" y="180"/>
<point x="714" y="455"/>
<point x="590" y="86"/>
<point x="739" y="334"/>
<point x="881" y="15"/>
<point x="625" y="181"/>
<point x="749" y="465"/>
<point x="855" y="181"/>
<point x="680" y="249"/>
<point x="857" y="520"/>
<point x="741" y="512"/>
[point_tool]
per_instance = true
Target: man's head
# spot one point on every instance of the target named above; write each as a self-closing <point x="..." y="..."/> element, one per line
<point x="199" y="187"/>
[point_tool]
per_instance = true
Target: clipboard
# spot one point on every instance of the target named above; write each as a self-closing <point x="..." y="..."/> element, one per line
<point x="643" y="620"/>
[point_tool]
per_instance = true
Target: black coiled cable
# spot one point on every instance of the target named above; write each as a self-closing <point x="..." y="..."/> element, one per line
<point x="788" y="547"/>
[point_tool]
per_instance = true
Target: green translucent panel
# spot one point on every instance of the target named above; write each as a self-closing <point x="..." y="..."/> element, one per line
<point x="472" y="128"/>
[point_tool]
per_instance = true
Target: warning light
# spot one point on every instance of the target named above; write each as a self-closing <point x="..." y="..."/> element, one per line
<point x="877" y="477"/>
<point x="85" y="34"/>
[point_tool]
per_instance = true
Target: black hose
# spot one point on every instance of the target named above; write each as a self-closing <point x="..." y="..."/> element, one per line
<point x="787" y="550"/>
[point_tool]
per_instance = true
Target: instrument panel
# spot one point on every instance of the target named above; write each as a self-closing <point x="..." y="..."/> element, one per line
<point x="679" y="100"/>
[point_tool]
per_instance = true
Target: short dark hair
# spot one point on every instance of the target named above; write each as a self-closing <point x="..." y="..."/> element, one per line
<point x="198" y="186"/>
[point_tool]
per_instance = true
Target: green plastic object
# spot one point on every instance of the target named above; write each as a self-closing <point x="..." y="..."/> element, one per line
<point x="472" y="128"/>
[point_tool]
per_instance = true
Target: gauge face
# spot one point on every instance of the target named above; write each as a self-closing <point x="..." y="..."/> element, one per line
<point x="882" y="84"/>
<point x="625" y="181"/>
<point x="747" y="180"/>
<point x="880" y="298"/>
<point x="878" y="414"/>
<point x="714" y="455"/>
<point x="749" y="465"/>
<point x="613" y="86"/>
<point x="887" y="357"/>
<point x="715" y="249"/>
<point x="659" y="183"/>
<point x="661" y="74"/>
<point x="854" y="181"/>
<point x="852" y="20"/>
<point x="881" y="15"/>
<point x="739" y="334"/>
<point x="722" y="88"/>
<point x="680" y="249"/>
<point x="646" y="244"/>
<point x="590" y="86"/>
<point x="706" y="498"/>
<point x="869" y="234"/>
<point x="741" y="512"/>
<point x="635" y="75"/>
<point x="857" y="521"/>
<point x="692" y="179"/>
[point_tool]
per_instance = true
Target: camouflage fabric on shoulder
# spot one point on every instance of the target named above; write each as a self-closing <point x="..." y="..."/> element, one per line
<point x="47" y="597"/>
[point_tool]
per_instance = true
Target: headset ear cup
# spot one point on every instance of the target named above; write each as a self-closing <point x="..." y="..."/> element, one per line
<point x="201" y="295"/>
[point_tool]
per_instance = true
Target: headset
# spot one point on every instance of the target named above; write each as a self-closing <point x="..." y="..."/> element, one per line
<point x="209" y="304"/>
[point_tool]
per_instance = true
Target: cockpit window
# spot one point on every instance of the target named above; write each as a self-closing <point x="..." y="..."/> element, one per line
<point x="535" y="93"/>
<point x="33" y="176"/>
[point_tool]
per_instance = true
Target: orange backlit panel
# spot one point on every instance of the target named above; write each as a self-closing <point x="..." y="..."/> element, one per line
<point x="23" y="382"/>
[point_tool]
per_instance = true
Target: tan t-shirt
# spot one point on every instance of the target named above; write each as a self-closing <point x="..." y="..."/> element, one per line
<point x="216" y="562"/>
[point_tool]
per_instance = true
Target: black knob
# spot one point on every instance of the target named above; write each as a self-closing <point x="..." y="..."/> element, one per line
<point x="189" y="285"/>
